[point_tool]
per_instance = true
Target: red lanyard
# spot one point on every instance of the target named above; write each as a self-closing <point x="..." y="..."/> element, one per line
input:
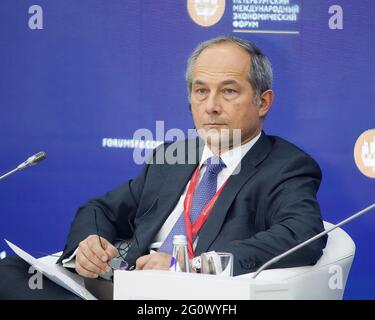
<point x="192" y="230"/>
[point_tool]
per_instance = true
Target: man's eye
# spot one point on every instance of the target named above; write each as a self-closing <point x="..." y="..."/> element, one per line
<point x="229" y="91"/>
<point x="201" y="91"/>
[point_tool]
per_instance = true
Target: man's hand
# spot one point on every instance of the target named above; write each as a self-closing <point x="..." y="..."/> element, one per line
<point x="157" y="260"/>
<point x="91" y="258"/>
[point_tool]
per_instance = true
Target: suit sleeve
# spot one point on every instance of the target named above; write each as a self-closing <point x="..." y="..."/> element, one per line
<point x="114" y="211"/>
<point x="292" y="216"/>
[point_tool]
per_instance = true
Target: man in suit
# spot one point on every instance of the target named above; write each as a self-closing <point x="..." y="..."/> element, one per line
<point x="262" y="189"/>
<point x="268" y="203"/>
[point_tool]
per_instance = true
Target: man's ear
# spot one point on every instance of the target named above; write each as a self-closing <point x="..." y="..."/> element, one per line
<point x="265" y="102"/>
<point x="190" y="107"/>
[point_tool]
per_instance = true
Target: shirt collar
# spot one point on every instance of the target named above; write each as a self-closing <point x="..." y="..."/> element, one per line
<point x="232" y="157"/>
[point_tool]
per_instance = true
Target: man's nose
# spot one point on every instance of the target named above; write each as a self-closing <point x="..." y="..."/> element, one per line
<point x="213" y="103"/>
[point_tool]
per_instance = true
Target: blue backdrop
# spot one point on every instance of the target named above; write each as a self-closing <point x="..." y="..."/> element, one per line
<point x="103" y="69"/>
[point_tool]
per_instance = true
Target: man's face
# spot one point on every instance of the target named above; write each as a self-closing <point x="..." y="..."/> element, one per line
<point x="222" y="99"/>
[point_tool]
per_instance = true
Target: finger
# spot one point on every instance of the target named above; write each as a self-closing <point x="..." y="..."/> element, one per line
<point x="149" y="265"/>
<point x="110" y="250"/>
<point x="153" y="264"/>
<point x="158" y="261"/>
<point x="85" y="263"/>
<point x="92" y="260"/>
<point x="141" y="261"/>
<point x="95" y="243"/>
<point x="91" y="256"/>
<point x="83" y="272"/>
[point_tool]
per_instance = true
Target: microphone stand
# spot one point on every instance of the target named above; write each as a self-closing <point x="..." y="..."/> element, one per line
<point x="8" y="173"/>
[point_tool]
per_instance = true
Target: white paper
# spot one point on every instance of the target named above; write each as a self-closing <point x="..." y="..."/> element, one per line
<point x="54" y="274"/>
<point x="3" y="255"/>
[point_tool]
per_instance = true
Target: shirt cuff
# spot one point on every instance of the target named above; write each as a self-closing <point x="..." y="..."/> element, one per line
<point x="71" y="261"/>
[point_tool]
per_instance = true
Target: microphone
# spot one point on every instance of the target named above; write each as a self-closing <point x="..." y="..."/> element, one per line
<point x="308" y="241"/>
<point x="36" y="158"/>
<point x="32" y="160"/>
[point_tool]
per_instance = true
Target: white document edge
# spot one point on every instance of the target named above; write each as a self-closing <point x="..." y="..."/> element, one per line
<point x="54" y="275"/>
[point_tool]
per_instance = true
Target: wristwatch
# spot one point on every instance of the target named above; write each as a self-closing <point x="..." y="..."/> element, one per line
<point x="195" y="264"/>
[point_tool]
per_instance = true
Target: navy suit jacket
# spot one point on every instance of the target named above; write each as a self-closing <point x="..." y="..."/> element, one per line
<point x="266" y="209"/>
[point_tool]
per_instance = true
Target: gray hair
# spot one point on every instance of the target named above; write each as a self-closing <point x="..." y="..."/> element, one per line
<point x="260" y="74"/>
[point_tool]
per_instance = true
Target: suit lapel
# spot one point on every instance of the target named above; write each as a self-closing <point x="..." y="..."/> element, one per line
<point x="173" y="186"/>
<point x="211" y="228"/>
<point x="175" y="182"/>
<point x="169" y="195"/>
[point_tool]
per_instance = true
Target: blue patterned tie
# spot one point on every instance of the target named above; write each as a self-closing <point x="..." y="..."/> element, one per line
<point x="203" y="194"/>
